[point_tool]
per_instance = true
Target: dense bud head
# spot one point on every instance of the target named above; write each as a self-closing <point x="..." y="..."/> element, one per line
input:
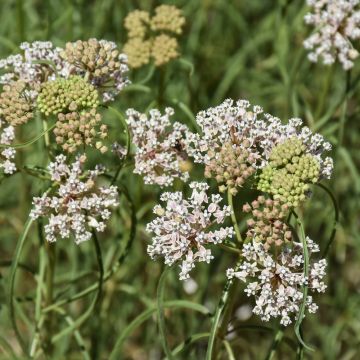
<point x="164" y="49"/>
<point x="138" y="52"/>
<point x="64" y="95"/>
<point x="76" y="129"/>
<point x="100" y="62"/>
<point x="267" y="224"/>
<point x="168" y="18"/>
<point x="289" y="172"/>
<point x="17" y="103"/>
<point x="152" y="38"/>
<point x="231" y="165"/>
<point x="136" y="23"/>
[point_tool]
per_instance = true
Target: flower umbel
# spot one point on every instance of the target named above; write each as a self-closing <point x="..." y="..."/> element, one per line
<point x="100" y="62"/>
<point x="77" y="205"/>
<point x="276" y="282"/>
<point x="183" y="227"/>
<point x="160" y="144"/>
<point x="336" y="24"/>
<point x="153" y="37"/>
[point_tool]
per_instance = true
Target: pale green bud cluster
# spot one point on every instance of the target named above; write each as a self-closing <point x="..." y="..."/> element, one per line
<point x="289" y="173"/>
<point x="67" y="95"/>
<point x="231" y="166"/>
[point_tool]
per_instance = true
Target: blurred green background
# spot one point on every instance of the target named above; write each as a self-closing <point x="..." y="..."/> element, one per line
<point x="239" y="49"/>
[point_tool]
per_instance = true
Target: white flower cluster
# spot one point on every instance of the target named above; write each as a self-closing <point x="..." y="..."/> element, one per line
<point x="276" y="282"/>
<point x="231" y="122"/>
<point x="42" y="62"/>
<point x="78" y="204"/>
<point x="7" y="155"/>
<point x="184" y="227"/>
<point x="39" y="62"/>
<point x="159" y="146"/>
<point x="336" y="23"/>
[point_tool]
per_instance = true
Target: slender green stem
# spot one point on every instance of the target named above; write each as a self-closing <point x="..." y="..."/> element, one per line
<point x="30" y="142"/>
<point x="14" y="266"/>
<point x="305" y="286"/>
<point x="39" y="289"/>
<point x="222" y="331"/>
<point x="210" y="353"/>
<point x="233" y="217"/>
<point x="50" y="274"/>
<point x="78" y="322"/>
<point x="190" y="340"/>
<point x="147" y="314"/>
<point x="100" y="264"/>
<point x="277" y="340"/>
<point x="336" y="219"/>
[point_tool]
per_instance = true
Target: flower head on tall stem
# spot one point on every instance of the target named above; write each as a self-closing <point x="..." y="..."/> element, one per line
<point x="183" y="229"/>
<point x="77" y="205"/>
<point x="276" y="281"/>
<point x="240" y="132"/>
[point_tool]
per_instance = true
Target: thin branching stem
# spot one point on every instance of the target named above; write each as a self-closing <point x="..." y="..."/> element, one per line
<point x="301" y="315"/>
<point x="233" y="217"/>
<point x="336" y="219"/>
<point x="13" y="269"/>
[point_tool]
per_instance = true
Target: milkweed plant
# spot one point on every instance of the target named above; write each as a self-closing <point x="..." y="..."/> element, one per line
<point x="232" y="179"/>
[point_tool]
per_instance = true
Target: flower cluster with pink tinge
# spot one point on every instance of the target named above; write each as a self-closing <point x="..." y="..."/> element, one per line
<point x="248" y="140"/>
<point x="183" y="229"/>
<point x="337" y="24"/>
<point x="276" y="282"/>
<point x="78" y="205"/>
<point x="159" y="146"/>
<point x="7" y="154"/>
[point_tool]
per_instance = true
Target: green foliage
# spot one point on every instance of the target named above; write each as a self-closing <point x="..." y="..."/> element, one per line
<point x="239" y="49"/>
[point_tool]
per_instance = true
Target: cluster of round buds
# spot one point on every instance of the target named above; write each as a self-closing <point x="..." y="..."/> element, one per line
<point x="184" y="227"/>
<point x="62" y="95"/>
<point x="136" y="23"/>
<point x="75" y="129"/>
<point x="336" y="23"/>
<point x="17" y="103"/>
<point x="7" y="154"/>
<point x="153" y="37"/>
<point x="289" y="172"/>
<point x="267" y="223"/>
<point x="231" y="165"/>
<point x="76" y="205"/>
<point x="167" y="18"/>
<point x="100" y="62"/>
<point x="277" y="281"/>
<point x="164" y="49"/>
